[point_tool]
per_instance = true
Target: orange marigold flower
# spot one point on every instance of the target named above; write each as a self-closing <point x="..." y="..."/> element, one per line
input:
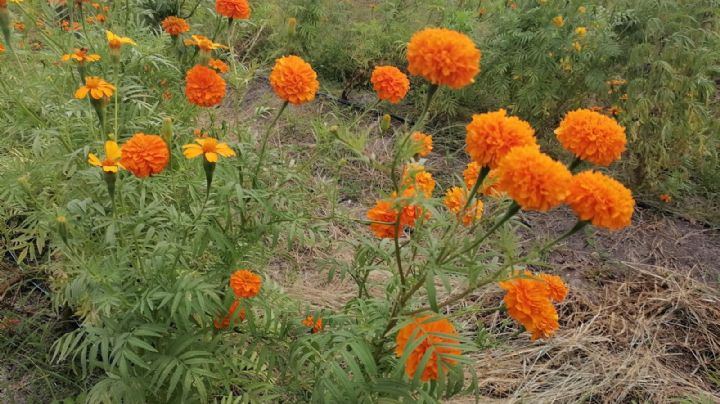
<point x="557" y="289"/>
<point x="235" y="9"/>
<point x="443" y="57"/>
<point x="316" y="325"/>
<point x="204" y="87"/>
<point x="410" y="212"/>
<point x="436" y="336"/>
<point x="19" y="26"/>
<point x="175" y="26"/>
<point x="615" y="110"/>
<point x="245" y="283"/>
<point x="415" y="176"/>
<point x="224" y="322"/>
<point x="490" y="136"/>
<point x="384" y="211"/>
<point x="219" y="65"/>
<point x="117" y="41"/>
<point x="145" y="155"/>
<point x="203" y="43"/>
<point x="471" y="174"/>
<point x="422" y="143"/>
<point x="3" y="3"/>
<point x="81" y="56"/>
<point x="666" y="198"/>
<point x="603" y="200"/>
<point x="294" y="80"/>
<point x="209" y="148"/>
<point x="528" y="302"/>
<point x="96" y="87"/>
<point x="390" y="83"/>
<point x="456" y="198"/>
<point x="2" y="48"/>
<point x="100" y="18"/>
<point x="533" y="179"/>
<point x="112" y="158"/>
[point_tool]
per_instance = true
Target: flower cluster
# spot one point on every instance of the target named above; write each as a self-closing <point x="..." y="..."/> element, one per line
<point x="529" y="300"/>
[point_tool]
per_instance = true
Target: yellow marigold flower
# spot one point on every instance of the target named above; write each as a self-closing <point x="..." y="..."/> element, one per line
<point x="390" y="83"/>
<point x="175" y="26"/>
<point x="384" y="211"/>
<point x="577" y="46"/>
<point x="235" y="9"/>
<point x="204" y="87"/>
<point x="582" y="9"/>
<point x="558" y="21"/>
<point x="601" y="199"/>
<point x="81" y="56"/>
<point x="456" y="198"/>
<point x="434" y="336"/>
<point x="581" y="31"/>
<point x="533" y="179"/>
<point x="219" y="65"/>
<point x="490" y="136"/>
<point x="245" y="283"/>
<point x="528" y="301"/>
<point x="209" y="148"/>
<point x="592" y="136"/>
<point x="145" y="155"/>
<point x="422" y="142"/>
<point x="116" y="41"/>
<point x="617" y="82"/>
<point x="415" y="176"/>
<point x="203" y="43"/>
<point x="294" y="80"/>
<point x="443" y="57"/>
<point x="112" y="158"/>
<point x="97" y="88"/>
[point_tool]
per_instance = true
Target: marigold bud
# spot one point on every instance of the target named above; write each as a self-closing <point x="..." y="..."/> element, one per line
<point x="292" y="26"/>
<point x="166" y="131"/>
<point x="24" y="182"/>
<point x="62" y="228"/>
<point x="385" y="123"/>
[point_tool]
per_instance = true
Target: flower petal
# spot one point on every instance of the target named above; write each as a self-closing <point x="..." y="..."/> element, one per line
<point x="211" y="157"/>
<point x="224" y="150"/>
<point x="190" y="151"/>
<point x="94" y="160"/>
<point x="81" y="92"/>
<point x="112" y="150"/>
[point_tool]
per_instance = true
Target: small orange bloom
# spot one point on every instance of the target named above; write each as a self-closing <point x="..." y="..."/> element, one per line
<point x="410" y="212"/>
<point x="175" y="26"/>
<point x="245" y="283"/>
<point x="415" y="176"/>
<point x="666" y="198"/>
<point x="422" y="143"/>
<point x="219" y="65"/>
<point x="235" y="9"/>
<point x="603" y="200"/>
<point x="528" y="301"/>
<point x="209" y="148"/>
<point x="19" y="26"/>
<point x="443" y="57"/>
<point x="230" y="316"/>
<point x="204" y="87"/>
<point x="167" y="95"/>
<point x="592" y="136"/>
<point x="533" y="179"/>
<point x="390" y="83"/>
<point x="96" y="87"/>
<point x="316" y="325"/>
<point x="112" y="158"/>
<point x="456" y="198"/>
<point x="100" y="18"/>
<point x="81" y="56"/>
<point x="436" y="336"/>
<point x="2" y="48"/>
<point x="384" y="211"/>
<point x="490" y="136"/>
<point x="145" y="155"/>
<point x="294" y="80"/>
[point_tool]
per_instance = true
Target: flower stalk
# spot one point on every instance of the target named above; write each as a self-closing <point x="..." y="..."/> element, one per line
<point x="263" y="145"/>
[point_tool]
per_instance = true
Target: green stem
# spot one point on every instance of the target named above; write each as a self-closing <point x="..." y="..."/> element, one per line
<point x="575" y="164"/>
<point x="578" y="226"/>
<point x="263" y="146"/>
<point x="432" y="90"/>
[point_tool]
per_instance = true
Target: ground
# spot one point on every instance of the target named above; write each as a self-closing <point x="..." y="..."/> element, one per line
<point x="642" y="321"/>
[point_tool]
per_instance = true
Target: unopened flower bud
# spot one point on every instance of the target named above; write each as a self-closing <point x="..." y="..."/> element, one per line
<point x="385" y="123"/>
<point x="62" y="228"/>
<point x="334" y="130"/>
<point x="292" y="26"/>
<point x="166" y="131"/>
